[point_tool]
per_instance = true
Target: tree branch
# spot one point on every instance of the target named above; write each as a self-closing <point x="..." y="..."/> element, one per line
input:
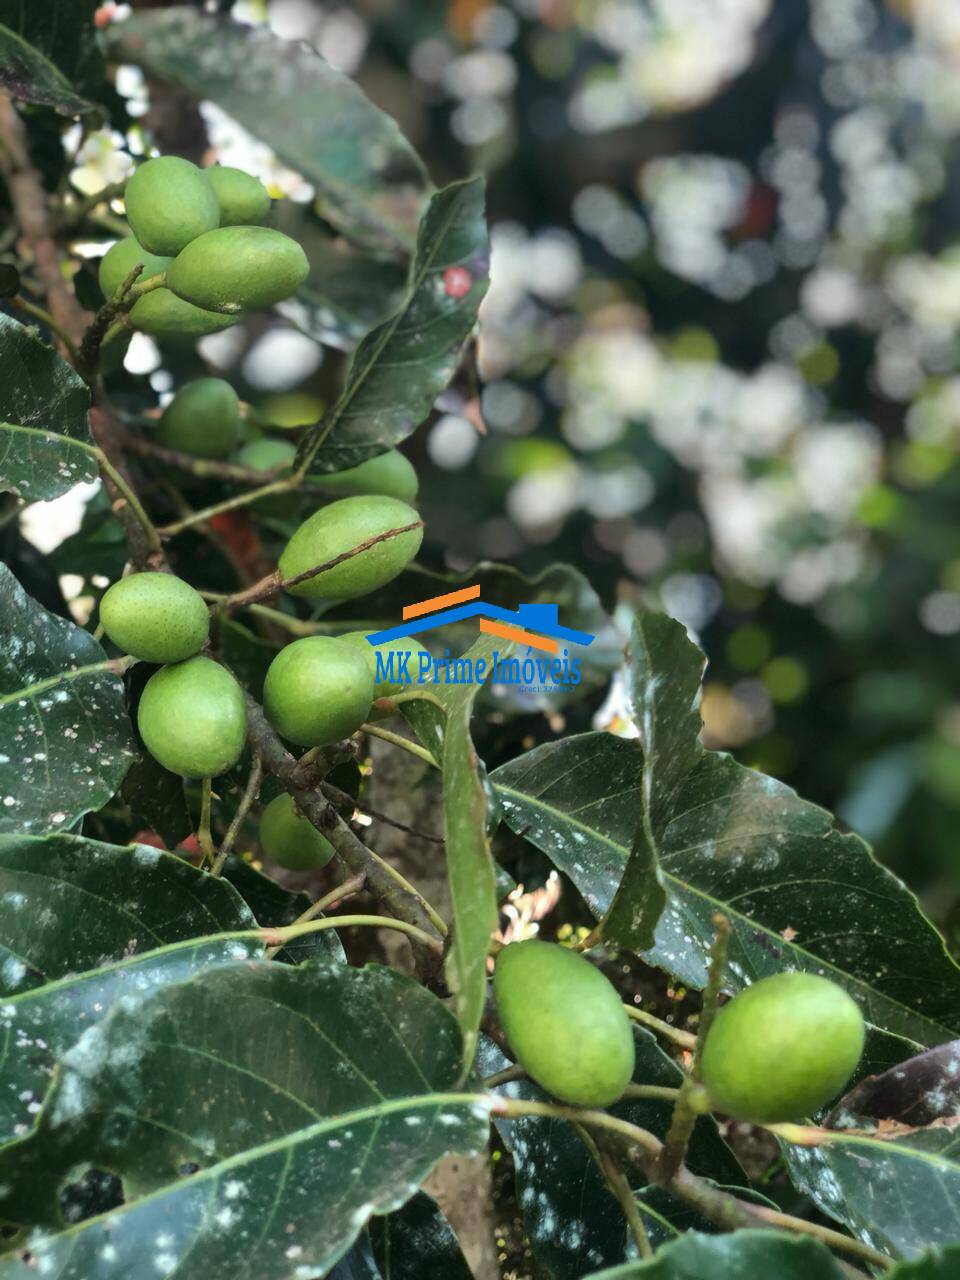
<point x="352" y="855"/>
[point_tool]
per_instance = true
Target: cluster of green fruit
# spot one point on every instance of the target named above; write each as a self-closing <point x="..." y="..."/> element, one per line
<point x="201" y="229"/>
<point x="776" y="1052"/>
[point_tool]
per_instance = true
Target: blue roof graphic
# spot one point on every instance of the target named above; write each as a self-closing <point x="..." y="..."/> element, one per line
<point x="541" y="618"/>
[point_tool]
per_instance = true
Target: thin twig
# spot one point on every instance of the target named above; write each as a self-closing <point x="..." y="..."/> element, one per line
<point x="251" y="791"/>
<point x="280" y="937"/>
<point x="620" y="1189"/>
<point x="342" y="798"/>
<point x="331" y="899"/>
<point x="397" y="740"/>
<point x="45" y="318"/>
<point x="204" y="838"/>
<point x="685" y="1039"/>
<point x="74" y="214"/>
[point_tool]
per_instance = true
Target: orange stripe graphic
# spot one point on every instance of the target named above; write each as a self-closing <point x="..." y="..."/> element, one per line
<point x="517" y="633"/>
<point x="440" y="602"/>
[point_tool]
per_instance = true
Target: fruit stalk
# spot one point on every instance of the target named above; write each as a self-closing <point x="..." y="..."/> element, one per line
<point x="250" y="793"/>
<point x="690" y="1104"/>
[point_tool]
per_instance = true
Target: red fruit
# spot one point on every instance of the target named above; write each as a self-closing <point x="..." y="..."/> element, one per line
<point x="457" y="282"/>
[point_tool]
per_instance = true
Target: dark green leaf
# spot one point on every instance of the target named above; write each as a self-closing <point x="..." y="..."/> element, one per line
<point x="899" y="1194"/>
<point x="310" y="1097"/>
<point x="156" y="797"/>
<point x="69" y="904"/>
<point x="43" y="418"/>
<point x="401" y="367"/>
<point x="800" y="894"/>
<point x="371" y="183"/>
<point x="416" y="1243"/>
<point x="571" y="1219"/>
<point x="939" y="1264"/>
<point x="63" y="33"/>
<point x="752" y="1255"/>
<point x="64" y="730"/>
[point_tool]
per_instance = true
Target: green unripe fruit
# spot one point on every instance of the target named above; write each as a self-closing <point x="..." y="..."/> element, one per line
<point x="163" y="314"/>
<point x="405" y="644"/>
<point x="341" y="526"/>
<point x="238" y="268"/>
<point x="266" y="454"/>
<point x="317" y="690"/>
<point x="565" y="1022"/>
<point x="192" y="718"/>
<point x="120" y="259"/>
<point x="244" y="200"/>
<point x="203" y="418"/>
<point x="170" y="202"/>
<point x="782" y="1048"/>
<point x="155" y="617"/>
<point x="290" y="840"/>
<point x="389" y="474"/>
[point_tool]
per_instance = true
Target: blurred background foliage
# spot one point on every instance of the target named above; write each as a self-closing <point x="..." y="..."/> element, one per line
<point x="719" y="353"/>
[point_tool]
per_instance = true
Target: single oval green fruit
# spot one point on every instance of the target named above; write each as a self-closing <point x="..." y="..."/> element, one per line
<point x="267" y="455"/>
<point x="192" y="718"/>
<point x="290" y="840"/>
<point x="170" y="202"/>
<point x="782" y="1048"/>
<point x="244" y="200"/>
<point x="155" y="617"/>
<point x="164" y="315"/>
<point x="341" y="526"/>
<point x="385" y="687"/>
<point x="390" y="474"/>
<point x="317" y="690"/>
<point x="120" y="259"/>
<point x="203" y="418"/>
<point x="565" y="1022"/>
<point x="238" y="268"/>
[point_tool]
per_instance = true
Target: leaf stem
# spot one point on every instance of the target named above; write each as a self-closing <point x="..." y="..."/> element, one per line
<point x="620" y="1189"/>
<point x="397" y="740"/>
<point x="666" y="1029"/>
<point x="228" y="504"/>
<point x="279" y="937"/>
<point x="251" y="791"/>
<point x="342" y="891"/>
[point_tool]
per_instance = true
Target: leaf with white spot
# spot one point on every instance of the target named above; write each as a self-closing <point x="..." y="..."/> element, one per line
<point x="84" y="923"/>
<point x="799" y="893"/>
<point x="45" y="445"/>
<point x="754" y="1254"/>
<point x="260" y="1104"/>
<point x="65" y="740"/>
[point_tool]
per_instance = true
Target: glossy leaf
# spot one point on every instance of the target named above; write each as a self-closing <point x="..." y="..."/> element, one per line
<point x="64" y="730"/>
<point x="401" y="367"/>
<point x="899" y="1194"/>
<point x="416" y="1243"/>
<point x="68" y="904"/>
<point x="276" y="1083"/>
<point x="743" y="1254"/>
<point x="43" y="418"/>
<point x="799" y="893"/>
<point x="917" y="1091"/>
<point x="370" y="182"/>
<point x="571" y="1219"/>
